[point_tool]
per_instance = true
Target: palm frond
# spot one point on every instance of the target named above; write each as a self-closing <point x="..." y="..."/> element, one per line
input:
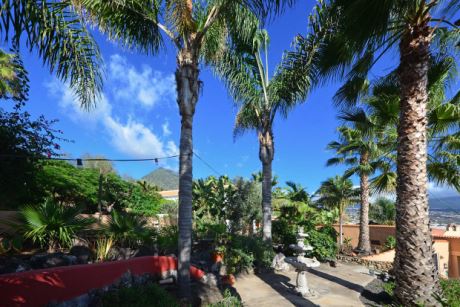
<point x="62" y="41"/>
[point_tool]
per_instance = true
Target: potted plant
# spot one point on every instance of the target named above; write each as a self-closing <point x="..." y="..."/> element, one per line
<point x="217" y="254"/>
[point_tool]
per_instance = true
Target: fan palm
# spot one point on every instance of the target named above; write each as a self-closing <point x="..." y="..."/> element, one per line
<point x="56" y="32"/>
<point x="351" y="51"/>
<point x="52" y="224"/>
<point x="359" y="147"/>
<point x="338" y="192"/>
<point x="199" y="31"/>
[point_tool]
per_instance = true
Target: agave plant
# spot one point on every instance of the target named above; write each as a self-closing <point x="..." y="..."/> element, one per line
<point x="52" y="224"/>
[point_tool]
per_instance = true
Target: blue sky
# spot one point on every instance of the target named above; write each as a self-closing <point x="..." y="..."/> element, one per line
<point x="138" y="117"/>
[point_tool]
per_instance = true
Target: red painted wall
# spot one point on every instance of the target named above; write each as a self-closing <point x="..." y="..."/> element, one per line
<point x="39" y="287"/>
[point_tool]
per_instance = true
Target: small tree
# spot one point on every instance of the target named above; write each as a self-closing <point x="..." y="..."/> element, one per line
<point x="338" y="192"/>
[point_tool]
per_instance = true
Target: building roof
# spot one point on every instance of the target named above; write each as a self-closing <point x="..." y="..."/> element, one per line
<point x="437" y="232"/>
<point x="169" y="193"/>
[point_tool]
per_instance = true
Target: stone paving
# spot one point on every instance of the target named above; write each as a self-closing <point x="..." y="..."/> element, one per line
<point x="339" y="286"/>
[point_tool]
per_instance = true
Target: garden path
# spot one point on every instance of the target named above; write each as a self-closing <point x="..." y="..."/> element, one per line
<point x="339" y="286"/>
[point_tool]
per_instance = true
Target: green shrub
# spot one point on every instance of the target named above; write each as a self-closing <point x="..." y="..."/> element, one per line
<point x="140" y="296"/>
<point x="247" y="248"/>
<point x="128" y="229"/>
<point x="324" y="246"/>
<point x="51" y="224"/>
<point x="390" y="242"/>
<point x="450" y="296"/>
<point x="283" y="232"/>
<point x="228" y="301"/>
<point x="450" y="292"/>
<point x="238" y="260"/>
<point x="167" y="239"/>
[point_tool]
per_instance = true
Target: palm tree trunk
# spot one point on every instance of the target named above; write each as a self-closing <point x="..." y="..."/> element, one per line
<point x="364" y="244"/>
<point x="340" y="229"/>
<point x="266" y="153"/>
<point x="415" y="272"/>
<point x="187" y="96"/>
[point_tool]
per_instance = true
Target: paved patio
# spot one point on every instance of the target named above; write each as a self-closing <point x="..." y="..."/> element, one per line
<point x="339" y="286"/>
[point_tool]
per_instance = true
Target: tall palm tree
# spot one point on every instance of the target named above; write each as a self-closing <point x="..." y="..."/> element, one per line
<point x="56" y="32"/>
<point x="359" y="149"/>
<point x="199" y="31"/>
<point x="411" y="27"/>
<point x="260" y="99"/>
<point x="338" y="192"/>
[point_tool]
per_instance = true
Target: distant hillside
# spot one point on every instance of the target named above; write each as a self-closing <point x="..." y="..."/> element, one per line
<point x="164" y="178"/>
<point x="445" y="203"/>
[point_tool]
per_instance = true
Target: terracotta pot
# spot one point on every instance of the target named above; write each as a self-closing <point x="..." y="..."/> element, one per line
<point x="229" y="279"/>
<point x="217" y="257"/>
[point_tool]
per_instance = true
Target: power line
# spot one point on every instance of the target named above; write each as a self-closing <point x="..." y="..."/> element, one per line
<point x="207" y="164"/>
<point x="86" y="159"/>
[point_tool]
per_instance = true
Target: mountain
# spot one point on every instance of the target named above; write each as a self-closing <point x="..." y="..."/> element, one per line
<point x="445" y="203"/>
<point x="164" y="178"/>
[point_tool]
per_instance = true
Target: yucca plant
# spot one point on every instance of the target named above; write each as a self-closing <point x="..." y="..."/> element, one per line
<point x="51" y="224"/>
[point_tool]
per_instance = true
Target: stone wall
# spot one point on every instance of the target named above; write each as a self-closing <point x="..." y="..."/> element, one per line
<point x="378" y="265"/>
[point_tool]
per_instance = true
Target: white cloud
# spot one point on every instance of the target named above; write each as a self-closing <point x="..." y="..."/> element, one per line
<point x="135" y="139"/>
<point x="166" y="130"/>
<point x="146" y="86"/>
<point x="128" y="134"/>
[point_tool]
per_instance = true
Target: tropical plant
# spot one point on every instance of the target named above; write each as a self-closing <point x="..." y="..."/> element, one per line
<point x="260" y="99"/>
<point x="56" y="32"/>
<point x="390" y="243"/>
<point x="166" y="240"/>
<point x="149" y="295"/>
<point x="361" y="147"/>
<point x="383" y="211"/>
<point x="51" y="224"/>
<point x="338" y="192"/>
<point x="128" y="229"/>
<point x="352" y="49"/>
<point x="297" y="193"/>
<point x="200" y="32"/>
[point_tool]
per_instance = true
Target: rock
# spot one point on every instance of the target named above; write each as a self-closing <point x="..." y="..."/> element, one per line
<point x="50" y="260"/>
<point x="12" y="265"/>
<point x="122" y="253"/>
<point x="146" y="251"/>
<point x="83" y="254"/>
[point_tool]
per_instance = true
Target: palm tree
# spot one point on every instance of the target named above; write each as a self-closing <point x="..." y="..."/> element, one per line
<point x="260" y="99"/>
<point x="56" y="32"/>
<point x="361" y="147"/>
<point x="351" y="51"/>
<point x="297" y="193"/>
<point x="338" y="192"/>
<point x="383" y="211"/>
<point x="199" y="31"/>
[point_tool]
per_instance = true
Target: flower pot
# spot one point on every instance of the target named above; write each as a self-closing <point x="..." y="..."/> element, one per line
<point x="229" y="279"/>
<point x="217" y="257"/>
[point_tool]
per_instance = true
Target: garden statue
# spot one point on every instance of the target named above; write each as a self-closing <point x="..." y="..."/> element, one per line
<point x="301" y="264"/>
<point x="279" y="264"/>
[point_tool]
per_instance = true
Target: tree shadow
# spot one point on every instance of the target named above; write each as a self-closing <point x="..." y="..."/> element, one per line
<point x="282" y="284"/>
<point x="368" y="295"/>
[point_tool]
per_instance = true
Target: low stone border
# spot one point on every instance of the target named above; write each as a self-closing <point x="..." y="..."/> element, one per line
<point x="377" y="265"/>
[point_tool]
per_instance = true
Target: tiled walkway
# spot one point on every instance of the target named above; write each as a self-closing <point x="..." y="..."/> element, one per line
<point x="339" y="286"/>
